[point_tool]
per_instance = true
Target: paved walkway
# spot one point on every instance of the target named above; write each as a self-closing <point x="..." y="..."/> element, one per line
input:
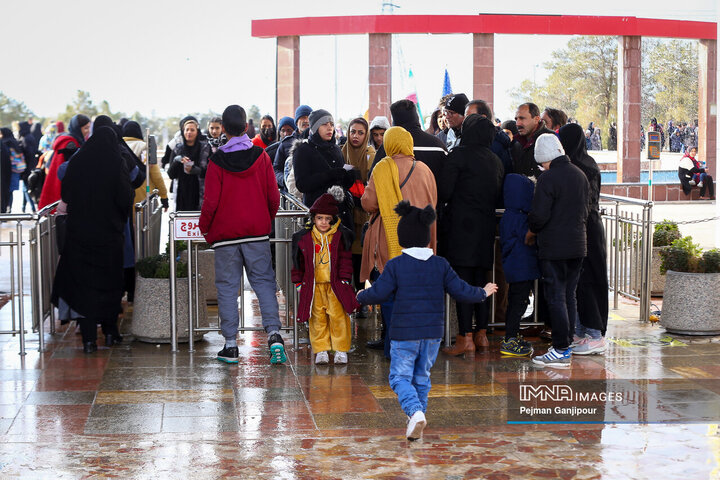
<point x="138" y="411"/>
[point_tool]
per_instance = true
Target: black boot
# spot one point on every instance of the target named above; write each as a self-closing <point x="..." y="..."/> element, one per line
<point x="89" y="347"/>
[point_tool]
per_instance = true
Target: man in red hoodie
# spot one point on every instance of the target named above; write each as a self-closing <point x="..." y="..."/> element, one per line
<point x="240" y="202"/>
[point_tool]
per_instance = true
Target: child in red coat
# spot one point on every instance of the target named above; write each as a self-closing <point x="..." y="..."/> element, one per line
<point x="322" y="265"/>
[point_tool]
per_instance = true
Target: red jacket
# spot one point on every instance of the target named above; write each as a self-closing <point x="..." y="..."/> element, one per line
<point x="241" y="197"/>
<point x="257" y="140"/>
<point x="341" y="270"/>
<point x="51" y="188"/>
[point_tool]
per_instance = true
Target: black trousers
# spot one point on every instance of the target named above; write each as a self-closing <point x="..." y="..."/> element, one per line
<point x="518" y="301"/>
<point x="356" y="263"/>
<point x="88" y="328"/>
<point x="708" y="187"/>
<point x="561" y="280"/>
<point x="477" y="277"/>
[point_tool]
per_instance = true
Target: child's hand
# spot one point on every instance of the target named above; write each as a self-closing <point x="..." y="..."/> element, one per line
<point x="490" y="288"/>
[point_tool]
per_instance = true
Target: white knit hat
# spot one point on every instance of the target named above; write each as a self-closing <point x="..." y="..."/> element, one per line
<point x="548" y="148"/>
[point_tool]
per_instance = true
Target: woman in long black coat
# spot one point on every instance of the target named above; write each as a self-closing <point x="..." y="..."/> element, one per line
<point x="592" y="289"/>
<point x="97" y="190"/>
<point x="471" y="185"/>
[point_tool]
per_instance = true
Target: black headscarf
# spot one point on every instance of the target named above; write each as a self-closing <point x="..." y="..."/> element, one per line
<point x="75" y="127"/>
<point x="9" y="140"/>
<point x="131" y="160"/>
<point x="477" y="130"/>
<point x="191" y="151"/>
<point x="268" y="137"/>
<point x="572" y="138"/>
<point x="132" y="129"/>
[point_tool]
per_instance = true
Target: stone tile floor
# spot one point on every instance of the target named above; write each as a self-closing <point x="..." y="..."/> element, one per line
<point x="138" y="411"/>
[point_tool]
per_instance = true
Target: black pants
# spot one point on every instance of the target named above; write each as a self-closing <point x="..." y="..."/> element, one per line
<point x="708" y="187"/>
<point x="561" y="279"/>
<point x="518" y="301"/>
<point x="129" y="283"/>
<point x="88" y="328"/>
<point x="356" y="263"/>
<point x="477" y="277"/>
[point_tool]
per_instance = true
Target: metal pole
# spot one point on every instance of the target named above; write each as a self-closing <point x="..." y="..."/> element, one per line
<point x="617" y="255"/>
<point x="196" y="286"/>
<point x="53" y="260"/>
<point x="296" y="340"/>
<point x="139" y="250"/>
<point x="40" y="303"/>
<point x="190" y="267"/>
<point x="12" y="280"/>
<point x="21" y="303"/>
<point x="242" y="302"/>
<point x="447" y="321"/>
<point x="173" y="287"/>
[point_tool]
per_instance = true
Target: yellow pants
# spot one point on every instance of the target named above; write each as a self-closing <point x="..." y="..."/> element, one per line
<point x="329" y="324"/>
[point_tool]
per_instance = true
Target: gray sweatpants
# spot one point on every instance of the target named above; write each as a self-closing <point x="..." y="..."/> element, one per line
<point x="255" y="257"/>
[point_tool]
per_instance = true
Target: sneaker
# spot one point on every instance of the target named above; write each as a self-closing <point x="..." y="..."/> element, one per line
<point x="554" y="358"/>
<point x="591" y="346"/>
<point x="322" y="358"/>
<point x="700" y="184"/>
<point x="416" y="425"/>
<point x="277" y="349"/>
<point x="228" y="355"/>
<point x="340" y="358"/>
<point x="515" y="347"/>
<point x="577" y="341"/>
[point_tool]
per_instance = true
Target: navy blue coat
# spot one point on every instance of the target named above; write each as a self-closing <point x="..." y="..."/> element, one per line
<point x="501" y="147"/>
<point x="520" y="261"/>
<point x="418" y="288"/>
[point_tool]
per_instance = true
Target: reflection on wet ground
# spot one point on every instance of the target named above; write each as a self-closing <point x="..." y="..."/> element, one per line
<point x="137" y="411"/>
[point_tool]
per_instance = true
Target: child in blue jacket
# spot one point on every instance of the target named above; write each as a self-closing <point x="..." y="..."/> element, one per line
<point x="520" y="261"/>
<point x="417" y="280"/>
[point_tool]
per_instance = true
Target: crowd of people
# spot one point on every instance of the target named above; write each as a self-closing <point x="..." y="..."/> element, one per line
<point x="411" y="211"/>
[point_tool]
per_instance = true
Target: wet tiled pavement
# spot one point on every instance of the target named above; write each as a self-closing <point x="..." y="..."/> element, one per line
<point x="138" y="411"/>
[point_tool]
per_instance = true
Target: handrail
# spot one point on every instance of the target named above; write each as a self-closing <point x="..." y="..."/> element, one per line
<point x="632" y="201"/>
<point x="295" y="201"/>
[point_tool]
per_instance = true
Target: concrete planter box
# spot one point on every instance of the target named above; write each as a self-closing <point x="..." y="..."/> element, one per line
<point x="657" y="280"/>
<point x="690" y="304"/>
<point x="151" y="310"/>
<point x="206" y="270"/>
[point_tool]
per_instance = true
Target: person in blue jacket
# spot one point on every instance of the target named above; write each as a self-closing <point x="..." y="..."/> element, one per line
<point x="520" y="261"/>
<point x="417" y="280"/>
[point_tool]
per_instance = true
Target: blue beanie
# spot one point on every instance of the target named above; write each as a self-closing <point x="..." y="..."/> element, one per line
<point x="286" y="121"/>
<point x="302" y="111"/>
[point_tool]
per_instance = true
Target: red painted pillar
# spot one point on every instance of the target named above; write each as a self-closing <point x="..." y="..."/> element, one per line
<point x="707" y="108"/>
<point x="484" y="67"/>
<point x="380" y="74"/>
<point x="287" y="92"/>
<point x="629" y="96"/>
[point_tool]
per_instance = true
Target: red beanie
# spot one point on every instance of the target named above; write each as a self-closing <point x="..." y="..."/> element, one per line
<point x="327" y="203"/>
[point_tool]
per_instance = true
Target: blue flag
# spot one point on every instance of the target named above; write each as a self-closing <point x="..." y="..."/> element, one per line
<point x="447" y="88"/>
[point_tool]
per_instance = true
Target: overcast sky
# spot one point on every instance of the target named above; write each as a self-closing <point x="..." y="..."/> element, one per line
<point x="175" y="57"/>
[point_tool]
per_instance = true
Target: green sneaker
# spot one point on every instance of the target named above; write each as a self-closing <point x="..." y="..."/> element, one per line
<point x="277" y="349"/>
<point x="516" y="347"/>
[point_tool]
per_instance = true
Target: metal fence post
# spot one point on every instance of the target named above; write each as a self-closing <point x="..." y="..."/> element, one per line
<point x="190" y="266"/>
<point x="173" y="286"/>
<point x="616" y="273"/>
<point x="40" y="305"/>
<point x="21" y="302"/>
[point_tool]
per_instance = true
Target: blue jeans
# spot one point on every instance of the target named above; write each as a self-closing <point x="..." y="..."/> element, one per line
<point x="581" y="330"/>
<point x="561" y="278"/>
<point x="256" y="259"/>
<point x="410" y="364"/>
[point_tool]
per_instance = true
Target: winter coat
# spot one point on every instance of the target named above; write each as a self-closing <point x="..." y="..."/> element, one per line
<point x="520" y="261"/>
<point x="156" y="180"/>
<point x="190" y="186"/>
<point x="341" y="270"/>
<point x="419" y="190"/>
<point x="317" y="166"/>
<point x="418" y="288"/>
<point x="282" y="153"/>
<point x="64" y="146"/>
<point x="241" y="197"/>
<point x="501" y="146"/>
<point x="471" y="184"/>
<point x="559" y="211"/>
<point x="524" y="159"/>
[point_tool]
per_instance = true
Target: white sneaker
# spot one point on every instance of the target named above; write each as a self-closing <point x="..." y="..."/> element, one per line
<point x="700" y="184"/>
<point x="322" y="358"/>
<point x="340" y="358"/>
<point x="416" y="425"/>
<point x="577" y="341"/>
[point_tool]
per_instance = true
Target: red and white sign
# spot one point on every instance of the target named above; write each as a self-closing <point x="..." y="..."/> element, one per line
<point x="187" y="229"/>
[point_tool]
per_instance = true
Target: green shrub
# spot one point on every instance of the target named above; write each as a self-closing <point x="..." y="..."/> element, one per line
<point x="158" y="266"/>
<point x="665" y="233"/>
<point x="685" y="256"/>
<point x="711" y="261"/>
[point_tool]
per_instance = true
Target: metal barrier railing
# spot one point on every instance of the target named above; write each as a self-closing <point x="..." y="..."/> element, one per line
<point x="629" y="247"/>
<point x="291" y="209"/>
<point x="148" y="223"/>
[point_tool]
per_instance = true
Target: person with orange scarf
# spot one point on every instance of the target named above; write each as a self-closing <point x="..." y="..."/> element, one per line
<point x="396" y="177"/>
